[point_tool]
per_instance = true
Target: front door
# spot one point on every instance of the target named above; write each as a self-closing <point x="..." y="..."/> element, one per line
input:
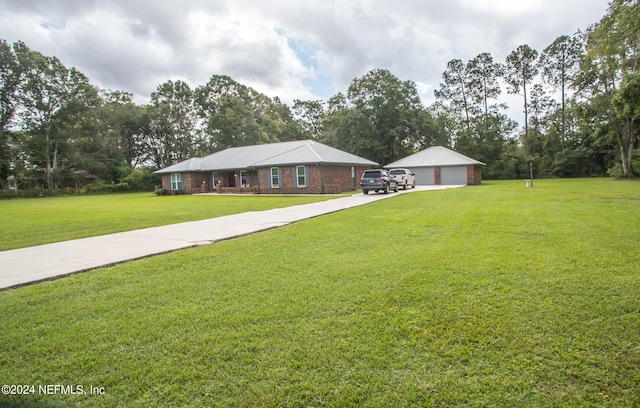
<point x="231" y="179"/>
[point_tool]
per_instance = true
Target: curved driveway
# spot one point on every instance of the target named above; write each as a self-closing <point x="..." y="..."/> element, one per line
<point x="28" y="265"/>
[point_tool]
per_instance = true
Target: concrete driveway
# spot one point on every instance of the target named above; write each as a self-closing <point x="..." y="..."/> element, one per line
<point x="28" y="265"/>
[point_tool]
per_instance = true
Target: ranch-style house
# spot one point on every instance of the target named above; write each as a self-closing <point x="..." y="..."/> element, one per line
<point x="296" y="167"/>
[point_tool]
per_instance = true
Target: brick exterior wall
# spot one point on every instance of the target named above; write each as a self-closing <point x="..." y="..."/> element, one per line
<point x="166" y="181"/>
<point x="322" y="179"/>
<point x="474" y="175"/>
<point x="195" y="182"/>
<point x="191" y="182"/>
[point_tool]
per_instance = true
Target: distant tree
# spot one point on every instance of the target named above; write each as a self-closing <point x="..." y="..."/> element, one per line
<point x="487" y="142"/>
<point x="540" y="107"/>
<point x="336" y="131"/>
<point x="455" y="90"/>
<point x="432" y="131"/>
<point x="447" y="121"/>
<point x="50" y="96"/>
<point x="310" y="115"/>
<point x="467" y="108"/>
<point x="386" y="114"/>
<point x="10" y="78"/>
<point x="233" y="114"/>
<point x="173" y="122"/>
<point x="272" y="118"/>
<point x="613" y="58"/>
<point x="104" y="149"/>
<point x="278" y="121"/>
<point x="520" y="71"/>
<point x="626" y="102"/>
<point x="559" y="64"/>
<point x="136" y="137"/>
<point x="484" y="86"/>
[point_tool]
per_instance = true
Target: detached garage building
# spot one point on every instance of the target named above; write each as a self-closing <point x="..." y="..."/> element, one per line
<point x="438" y="165"/>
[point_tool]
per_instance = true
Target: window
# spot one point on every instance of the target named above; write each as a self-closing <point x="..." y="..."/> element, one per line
<point x="275" y="177"/>
<point x="176" y="181"/>
<point x="244" y="182"/>
<point x="216" y="177"/>
<point x="301" y="172"/>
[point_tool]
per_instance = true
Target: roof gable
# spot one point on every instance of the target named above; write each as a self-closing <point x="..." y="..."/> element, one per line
<point x="435" y="156"/>
<point x="184" y="166"/>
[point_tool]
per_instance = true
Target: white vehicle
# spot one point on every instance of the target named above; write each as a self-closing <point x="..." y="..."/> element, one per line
<point x="404" y="177"/>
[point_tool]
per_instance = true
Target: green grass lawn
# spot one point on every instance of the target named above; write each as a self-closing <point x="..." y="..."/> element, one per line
<point x="495" y="295"/>
<point x="32" y="222"/>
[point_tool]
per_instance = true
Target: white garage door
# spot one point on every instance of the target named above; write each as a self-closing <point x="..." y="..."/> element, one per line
<point x="425" y="176"/>
<point x="454" y="175"/>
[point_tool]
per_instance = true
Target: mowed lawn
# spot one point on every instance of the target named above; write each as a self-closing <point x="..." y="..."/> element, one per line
<point x="495" y="295"/>
<point x="30" y="222"/>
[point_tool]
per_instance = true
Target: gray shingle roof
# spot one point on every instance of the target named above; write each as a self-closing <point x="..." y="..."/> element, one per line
<point x="267" y="155"/>
<point x="186" y="166"/>
<point x="434" y="156"/>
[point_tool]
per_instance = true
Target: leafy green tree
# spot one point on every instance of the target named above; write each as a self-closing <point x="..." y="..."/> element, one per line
<point x="612" y="60"/>
<point x="384" y="116"/>
<point x="10" y="78"/>
<point x="336" y="132"/>
<point x="101" y="145"/>
<point x="626" y="102"/>
<point x="233" y="114"/>
<point x="520" y="71"/>
<point x="433" y="132"/>
<point x="173" y="122"/>
<point x="288" y="127"/>
<point x="50" y="96"/>
<point x="349" y="129"/>
<point x="446" y="123"/>
<point x="310" y="114"/>
<point x="487" y="142"/>
<point x="232" y="123"/>
<point x="272" y="119"/>
<point x="222" y="105"/>
<point x="596" y="84"/>
<point x="135" y="138"/>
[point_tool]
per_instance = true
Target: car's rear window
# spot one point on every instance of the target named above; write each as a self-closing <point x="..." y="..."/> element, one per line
<point x="372" y="174"/>
<point x="397" y="171"/>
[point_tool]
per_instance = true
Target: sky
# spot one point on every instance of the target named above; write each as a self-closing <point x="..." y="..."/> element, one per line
<point x="293" y="49"/>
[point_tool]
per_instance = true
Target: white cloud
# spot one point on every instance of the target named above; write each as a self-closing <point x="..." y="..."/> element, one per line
<point x="504" y="8"/>
<point x="295" y="50"/>
<point x="425" y="92"/>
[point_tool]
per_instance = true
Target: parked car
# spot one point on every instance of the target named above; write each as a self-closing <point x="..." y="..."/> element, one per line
<point x="404" y="177"/>
<point x="378" y="180"/>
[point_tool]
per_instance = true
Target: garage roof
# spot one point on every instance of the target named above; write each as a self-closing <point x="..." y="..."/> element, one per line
<point x="435" y="156"/>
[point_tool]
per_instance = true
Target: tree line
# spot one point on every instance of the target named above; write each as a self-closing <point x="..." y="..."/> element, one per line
<point x="580" y="102"/>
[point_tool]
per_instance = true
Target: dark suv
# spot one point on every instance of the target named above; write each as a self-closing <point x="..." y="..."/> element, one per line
<point x="378" y="180"/>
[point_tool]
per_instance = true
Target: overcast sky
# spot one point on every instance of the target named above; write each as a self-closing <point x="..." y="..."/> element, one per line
<point x="294" y="49"/>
